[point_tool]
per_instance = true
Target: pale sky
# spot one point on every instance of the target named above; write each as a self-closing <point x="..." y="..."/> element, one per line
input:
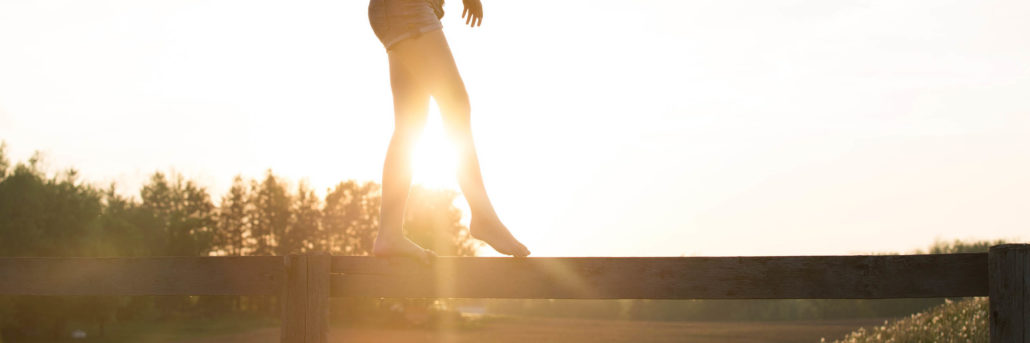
<point x="605" y="128"/>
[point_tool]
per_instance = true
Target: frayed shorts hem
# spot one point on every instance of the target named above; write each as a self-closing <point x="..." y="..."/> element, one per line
<point x="411" y="34"/>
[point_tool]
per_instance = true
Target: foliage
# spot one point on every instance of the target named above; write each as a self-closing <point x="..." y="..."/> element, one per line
<point x="59" y="215"/>
<point x="954" y="321"/>
<point x="350" y="217"/>
<point x="233" y="230"/>
<point x="182" y="215"/>
<point x="960" y="246"/>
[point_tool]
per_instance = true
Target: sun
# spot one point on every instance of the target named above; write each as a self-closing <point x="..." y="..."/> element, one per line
<point x="435" y="161"/>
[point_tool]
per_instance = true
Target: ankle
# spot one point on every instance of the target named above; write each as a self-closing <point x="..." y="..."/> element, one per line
<point x="389" y="235"/>
<point x="488" y="216"/>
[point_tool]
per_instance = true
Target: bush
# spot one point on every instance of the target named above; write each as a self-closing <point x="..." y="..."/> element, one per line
<point x="954" y="321"/>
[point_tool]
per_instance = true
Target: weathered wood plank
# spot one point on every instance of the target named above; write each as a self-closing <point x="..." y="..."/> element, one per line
<point x="251" y="275"/>
<point x="294" y="300"/>
<point x="813" y="277"/>
<point x="1009" y="267"/>
<point x="317" y="322"/>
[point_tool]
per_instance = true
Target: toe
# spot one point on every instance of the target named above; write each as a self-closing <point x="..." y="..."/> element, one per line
<point x="522" y="248"/>
<point x="521" y="251"/>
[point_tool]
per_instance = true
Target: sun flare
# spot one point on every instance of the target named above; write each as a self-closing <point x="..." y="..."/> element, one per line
<point x="435" y="161"/>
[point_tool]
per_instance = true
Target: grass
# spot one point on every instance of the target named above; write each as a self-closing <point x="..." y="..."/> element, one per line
<point x="171" y="330"/>
<point x="568" y="330"/>
<point x="954" y="321"/>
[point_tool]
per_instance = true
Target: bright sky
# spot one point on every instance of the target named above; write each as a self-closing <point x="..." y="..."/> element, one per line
<point x="605" y="128"/>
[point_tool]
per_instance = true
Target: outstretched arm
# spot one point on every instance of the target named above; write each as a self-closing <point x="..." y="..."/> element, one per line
<point x="473" y="13"/>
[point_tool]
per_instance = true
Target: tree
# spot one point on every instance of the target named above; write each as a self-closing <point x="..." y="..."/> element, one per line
<point x="230" y="236"/>
<point x="4" y="162"/>
<point x="29" y="207"/>
<point x="305" y="232"/>
<point x="269" y="214"/>
<point x="120" y="230"/>
<point x="958" y="246"/>
<point x="48" y="216"/>
<point x="183" y="212"/>
<point x="180" y="220"/>
<point x="350" y="217"/>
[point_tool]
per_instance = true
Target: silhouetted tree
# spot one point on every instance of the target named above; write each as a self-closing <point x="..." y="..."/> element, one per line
<point x="232" y="230"/>
<point x="959" y="246"/>
<point x="350" y="217"/>
<point x="305" y="232"/>
<point x="269" y="215"/>
<point x="184" y="213"/>
<point x="120" y="232"/>
<point x="4" y="162"/>
<point x="47" y="216"/>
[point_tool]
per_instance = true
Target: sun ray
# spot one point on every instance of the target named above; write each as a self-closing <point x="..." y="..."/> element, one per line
<point x="435" y="160"/>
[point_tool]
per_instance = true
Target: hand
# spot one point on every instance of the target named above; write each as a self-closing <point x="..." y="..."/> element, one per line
<point x="473" y="13"/>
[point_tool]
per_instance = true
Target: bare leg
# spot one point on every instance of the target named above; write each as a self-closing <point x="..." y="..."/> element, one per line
<point x="411" y="105"/>
<point x="430" y="60"/>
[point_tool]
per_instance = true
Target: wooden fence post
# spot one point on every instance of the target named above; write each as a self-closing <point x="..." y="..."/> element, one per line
<point x="294" y="299"/>
<point x="1009" y="288"/>
<point x="317" y="315"/>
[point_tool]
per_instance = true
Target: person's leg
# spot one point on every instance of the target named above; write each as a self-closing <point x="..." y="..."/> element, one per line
<point x="410" y="105"/>
<point x="431" y="62"/>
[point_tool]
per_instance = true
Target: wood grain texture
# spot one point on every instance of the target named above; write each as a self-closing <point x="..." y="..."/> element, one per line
<point x="801" y="277"/>
<point x="1009" y="268"/>
<point x="317" y="314"/>
<point x="251" y="275"/>
<point x="294" y="300"/>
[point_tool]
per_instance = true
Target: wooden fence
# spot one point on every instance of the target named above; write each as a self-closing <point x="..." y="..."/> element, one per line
<point x="306" y="282"/>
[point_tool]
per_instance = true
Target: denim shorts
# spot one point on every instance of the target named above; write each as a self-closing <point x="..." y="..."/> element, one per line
<point x="396" y="20"/>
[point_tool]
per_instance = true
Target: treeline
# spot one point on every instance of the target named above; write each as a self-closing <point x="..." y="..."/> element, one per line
<point x="58" y="214"/>
<point x="61" y="215"/>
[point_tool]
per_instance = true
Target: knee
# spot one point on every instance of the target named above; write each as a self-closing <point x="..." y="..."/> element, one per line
<point x="456" y="113"/>
<point x="458" y="125"/>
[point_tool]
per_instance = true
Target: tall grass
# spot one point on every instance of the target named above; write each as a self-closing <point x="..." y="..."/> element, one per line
<point x="953" y="321"/>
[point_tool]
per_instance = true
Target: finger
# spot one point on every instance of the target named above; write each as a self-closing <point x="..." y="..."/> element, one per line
<point x="469" y="19"/>
<point x="479" y="21"/>
<point x="463" y="12"/>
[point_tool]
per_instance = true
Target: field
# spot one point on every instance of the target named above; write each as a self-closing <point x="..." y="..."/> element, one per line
<point x="544" y="330"/>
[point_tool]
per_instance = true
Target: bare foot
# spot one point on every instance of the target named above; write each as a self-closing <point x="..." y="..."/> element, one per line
<point x="401" y="247"/>
<point x="493" y="232"/>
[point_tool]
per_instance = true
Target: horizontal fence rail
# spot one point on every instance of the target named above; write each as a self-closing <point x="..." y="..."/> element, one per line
<point x="306" y="282"/>
<point x="251" y="275"/>
<point x="810" y="277"/>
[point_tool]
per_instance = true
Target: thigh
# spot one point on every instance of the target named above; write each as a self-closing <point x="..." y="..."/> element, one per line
<point x="410" y="97"/>
<point x="429" y="60"/>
